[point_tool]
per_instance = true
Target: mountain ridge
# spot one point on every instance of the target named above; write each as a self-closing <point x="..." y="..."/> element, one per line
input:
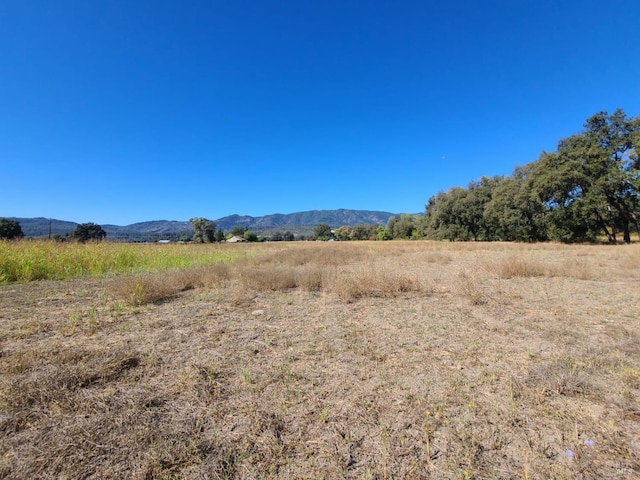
<point x="300" y="223"/>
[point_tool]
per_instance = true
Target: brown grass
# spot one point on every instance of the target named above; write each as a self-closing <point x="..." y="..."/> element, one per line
<point x="264" y="278"/>
<point x="515" y="266"/>
<point x="370" y="360"/>
<point x="312" y="270"/>
<point x="470" y="285"/>
<point x="153" y="287"/>
<point x="370" y="281"/>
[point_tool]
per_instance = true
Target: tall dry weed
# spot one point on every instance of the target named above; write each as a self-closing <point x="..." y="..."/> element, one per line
<point x="148" y="288"/>
<point x="628" y="260"/>
<point x="471" y="286"/>
<point x="312" y="278"/>
<point x="136" y="290"/>
<point x="578" y="268"/>
<point x="267" y="278"/>
<point x="371" y="282"/>
<point x="204" y="276"/>
<point x="516" y="266"/>
<point x="326" y="254"/>
<point x="132" y="290"/>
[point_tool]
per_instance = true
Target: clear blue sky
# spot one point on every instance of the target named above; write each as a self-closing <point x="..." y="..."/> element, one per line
<point x="120" y="111"/>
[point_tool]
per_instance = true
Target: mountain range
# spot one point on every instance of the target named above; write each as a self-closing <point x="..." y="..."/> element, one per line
<point x="299" y="223"/>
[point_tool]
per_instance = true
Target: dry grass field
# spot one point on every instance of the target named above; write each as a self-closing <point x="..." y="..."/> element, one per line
<point x="381" y="360"/>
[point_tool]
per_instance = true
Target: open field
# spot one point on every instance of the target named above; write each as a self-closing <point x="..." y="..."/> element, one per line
<point x="330" y="360"/>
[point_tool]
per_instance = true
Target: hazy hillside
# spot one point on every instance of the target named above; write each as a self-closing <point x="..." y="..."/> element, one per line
<point x="300" y="223"/>
<point x="309" y="219"/>
<point x="152" y="230"/>
<point x="39" y="227"/>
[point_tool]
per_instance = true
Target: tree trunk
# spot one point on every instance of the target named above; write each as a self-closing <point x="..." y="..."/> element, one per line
<point x="627" y="233"/>
<point x="610" y="236"/>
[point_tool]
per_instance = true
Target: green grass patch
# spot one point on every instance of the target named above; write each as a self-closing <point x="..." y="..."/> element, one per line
<point x="26" y="261"/>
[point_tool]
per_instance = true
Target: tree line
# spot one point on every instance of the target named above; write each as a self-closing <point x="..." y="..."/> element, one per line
<point x="588" y="188"/>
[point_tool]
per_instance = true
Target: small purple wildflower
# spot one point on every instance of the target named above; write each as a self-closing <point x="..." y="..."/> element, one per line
<point x="589" y="442"/>
<point x="570" y="453"/>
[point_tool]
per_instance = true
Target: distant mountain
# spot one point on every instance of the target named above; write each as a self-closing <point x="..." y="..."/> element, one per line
<point x="300" y="223"/>
<point x="153" y="230"/>
<point x="39" y="227"/>
<point x="308" y="220"/>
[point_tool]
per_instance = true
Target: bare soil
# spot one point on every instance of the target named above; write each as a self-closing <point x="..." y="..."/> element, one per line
<point x="500" y="361"/>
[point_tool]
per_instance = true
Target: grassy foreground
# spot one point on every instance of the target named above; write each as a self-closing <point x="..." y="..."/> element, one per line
<point x="26" y="261"/>
<point x="345" y="360"/>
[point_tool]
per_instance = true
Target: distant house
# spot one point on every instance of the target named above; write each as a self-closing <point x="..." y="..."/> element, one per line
<point x="164" y="241"/>
<point x="235" y="239"/>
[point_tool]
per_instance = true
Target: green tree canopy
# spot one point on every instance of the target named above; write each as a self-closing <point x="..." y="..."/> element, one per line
<point x="364" y="232"/>
<point x="591" y="184"/>
<point x="343" y="233"/>
<point x="322" y="232"/>
<point x="219" y="235"/>
<point x="238" y="231"/>
<point x="401" y="226"/>
<point x="250" y="236"/>
<point x="10" y="229"/>
<point x="279" y="236"/>
<point x="88" y="231"/>
<point x="204" y="230"/>
<point x="515" y="211"/>
<point x="382" y="233"/>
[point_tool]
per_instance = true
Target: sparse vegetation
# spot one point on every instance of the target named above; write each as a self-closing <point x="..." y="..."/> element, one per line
<point x="326" y="360"/>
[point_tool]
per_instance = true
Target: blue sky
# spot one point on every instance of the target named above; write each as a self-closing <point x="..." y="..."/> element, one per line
<point x="120" y="111"/>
